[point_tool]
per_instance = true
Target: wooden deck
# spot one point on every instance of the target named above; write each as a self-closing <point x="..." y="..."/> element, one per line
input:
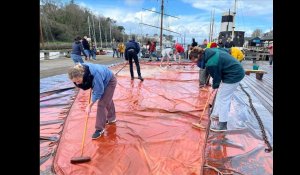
<point x="263" y="89"/>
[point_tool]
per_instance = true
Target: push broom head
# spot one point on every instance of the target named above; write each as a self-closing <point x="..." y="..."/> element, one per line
<point x="198" y="125"/>
<point x="75" y="160"/>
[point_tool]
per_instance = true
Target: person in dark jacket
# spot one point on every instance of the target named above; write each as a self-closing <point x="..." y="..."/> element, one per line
<point x="222" y="67"/>
<point x="194" y="43"/>
<point x="76" y="51"/>
<point x="220" y="43"/>
<point x="102" y="83"/>
<point x="131" y="51"/>
<point x="229" y="43"/>
<point x="86" y="47"/>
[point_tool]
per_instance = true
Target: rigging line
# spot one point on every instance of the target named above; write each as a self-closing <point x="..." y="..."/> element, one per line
<point x="159" y="27"/>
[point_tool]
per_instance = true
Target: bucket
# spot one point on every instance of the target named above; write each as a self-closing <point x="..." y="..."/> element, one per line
<point x="255" y="67"/>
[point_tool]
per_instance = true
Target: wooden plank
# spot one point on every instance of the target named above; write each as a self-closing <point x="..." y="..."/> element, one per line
<point x="260" y="89"/>
<point x="260" y="94"/>
<point x="261" y="86"/>
<point x="266" y="84"/>
<point x="255" y="71"/>
<point x="268" y="106"/>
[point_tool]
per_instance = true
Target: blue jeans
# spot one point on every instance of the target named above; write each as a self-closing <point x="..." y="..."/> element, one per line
<point x="182" y="55"/>
<point x="76" y="58"/>
<point x="153" y="54"/>
<point x="115" y="51"/>
<point x="88" y="53"/>
<point x="93" y="53"/>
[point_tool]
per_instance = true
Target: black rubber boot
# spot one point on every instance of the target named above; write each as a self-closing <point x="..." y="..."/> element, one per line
<point x="221" y="127"/>
<point x="140" y="77"/>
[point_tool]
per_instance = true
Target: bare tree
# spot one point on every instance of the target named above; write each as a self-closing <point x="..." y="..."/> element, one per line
<point x="257" y="33"/>
<point x="64" y="22"/>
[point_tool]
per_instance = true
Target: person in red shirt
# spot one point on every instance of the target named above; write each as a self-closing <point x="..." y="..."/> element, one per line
<point x="179" y="51"/>
<point x="152" y="50"/>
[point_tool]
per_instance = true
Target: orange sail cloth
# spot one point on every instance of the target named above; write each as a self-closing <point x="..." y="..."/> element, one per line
<point x="153" y="134"/>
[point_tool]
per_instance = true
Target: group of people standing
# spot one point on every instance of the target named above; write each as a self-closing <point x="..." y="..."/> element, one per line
<point x="82" y="45"/>
<point x="118" y="49"/>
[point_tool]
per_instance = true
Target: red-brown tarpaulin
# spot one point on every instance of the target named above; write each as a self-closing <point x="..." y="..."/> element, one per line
<point x="153" y="134"/>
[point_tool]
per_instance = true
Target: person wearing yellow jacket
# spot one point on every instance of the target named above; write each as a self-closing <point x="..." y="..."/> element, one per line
<point x="121" y="49"/>
<point x="237" y="53"/>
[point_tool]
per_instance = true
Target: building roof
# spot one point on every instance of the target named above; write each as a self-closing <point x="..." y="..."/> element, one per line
<point x="267" y="38"/>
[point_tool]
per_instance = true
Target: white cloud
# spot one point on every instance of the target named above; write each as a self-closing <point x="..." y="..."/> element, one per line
<point x="256" y="8"/>
<point x="263" y="9"/>
<point x="82" y="4"/>
<point x="193" y="26"/>
<point x="134" y="2"/>
<point x="249" y="7"/>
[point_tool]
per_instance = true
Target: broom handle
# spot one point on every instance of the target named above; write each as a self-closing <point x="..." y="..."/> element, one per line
<point x="85" y="126"/>
<point x="121" y="68"/>
<point x="205" y="105"/>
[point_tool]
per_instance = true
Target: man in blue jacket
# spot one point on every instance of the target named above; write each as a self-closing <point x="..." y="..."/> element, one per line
<point x="222" y="67"/>
<point x="131" y="51"/>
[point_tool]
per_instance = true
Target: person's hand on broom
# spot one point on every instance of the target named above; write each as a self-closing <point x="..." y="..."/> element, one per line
<point x="88" y="108"/>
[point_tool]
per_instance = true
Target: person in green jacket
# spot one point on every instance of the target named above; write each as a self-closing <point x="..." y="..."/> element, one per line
<point x="222" y="67"/>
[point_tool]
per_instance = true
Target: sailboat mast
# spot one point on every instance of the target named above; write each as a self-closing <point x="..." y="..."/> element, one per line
<point x="212" y="25"/>
<point x="184" y="39"/>
<point x="161" y="23"/>
<point x="100" y="34"/>
<point x="142" y="36"/>
<point x="234" y="12"/>
<point x="94" y="32"/>
<point x="105" y="38"/>
<point x="89" y="27"/>
<point x="210" y="28"/>
<point x="110" y="32"/>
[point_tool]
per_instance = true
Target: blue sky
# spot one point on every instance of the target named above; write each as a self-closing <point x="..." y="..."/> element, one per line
<point x="194" y="15"/>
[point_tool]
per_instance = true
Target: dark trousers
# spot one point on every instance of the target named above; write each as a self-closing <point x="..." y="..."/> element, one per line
<point x="115" y="51"/>
<point x="270" y="59"/>
<point x="122" y="54"/>
<point x="106" y="106"/>
<point x="133" y="55"/>
<point x="203" y="76"/>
